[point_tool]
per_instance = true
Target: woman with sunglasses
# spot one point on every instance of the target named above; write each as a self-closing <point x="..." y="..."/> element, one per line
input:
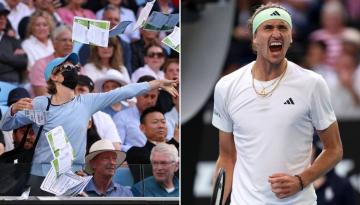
<point x="70" y="111"/>
<point x="154" y="59"/>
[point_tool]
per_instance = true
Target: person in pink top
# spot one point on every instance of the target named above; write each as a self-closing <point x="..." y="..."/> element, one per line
<point x="72" y="9"/>
<point x="61" y="38"/>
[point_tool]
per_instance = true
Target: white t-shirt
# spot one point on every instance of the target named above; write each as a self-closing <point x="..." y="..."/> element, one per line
<point x="20" y="11"/>
<point x="172" y="120"/>
<point x="106" y="127"/>
<point x="35" y="49"/>
<point x="146" y="70"/>
<point x="272" y="134"/>
<point x="94" y="74"/>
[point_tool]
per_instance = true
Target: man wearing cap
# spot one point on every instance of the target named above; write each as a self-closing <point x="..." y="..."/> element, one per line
<point x="18" y="133"/>
<point x="102" y="162"/>
<point x="101" y="125"/>
<point x="13" y="60"/>
<point x="69" y="111"/>
<point x="13" y="137"/>
<point x="265" y="113"/>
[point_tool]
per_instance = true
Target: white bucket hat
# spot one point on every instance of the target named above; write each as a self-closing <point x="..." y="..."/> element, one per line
<point x="101" y="146"/>
<point x="113" y="75"/>
<point x="116" y="76"/>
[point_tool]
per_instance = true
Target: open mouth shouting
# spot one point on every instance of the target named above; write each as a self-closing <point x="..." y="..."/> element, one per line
<point x="276" y="47"/>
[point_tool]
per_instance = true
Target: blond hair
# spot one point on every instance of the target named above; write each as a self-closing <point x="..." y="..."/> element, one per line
<point x="34" y="16"/>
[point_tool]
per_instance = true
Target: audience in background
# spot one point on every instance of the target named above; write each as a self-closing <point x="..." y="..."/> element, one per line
<point x="154" y="60"/>
<point x="153" y="125"/>
<point x="18" y="10"/>
<point x="38" y="44"/>
<point x="13" y="59"/>
<point x="103" y="59"/>
<point x="61" y="38"/>
<point x="138" y="47"/>
<point x="128" y="121"/>
<point x="125" y="15"/>
<point x="72" y="9"/>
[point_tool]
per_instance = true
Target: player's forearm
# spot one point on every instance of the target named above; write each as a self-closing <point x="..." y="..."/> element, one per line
<point x="323" y="163"/>
<point x="228" y="165"/>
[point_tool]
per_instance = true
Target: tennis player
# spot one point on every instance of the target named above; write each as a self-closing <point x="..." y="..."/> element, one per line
<point x="266" y="113"/>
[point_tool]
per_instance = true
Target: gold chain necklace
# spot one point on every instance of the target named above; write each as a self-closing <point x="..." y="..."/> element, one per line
<point x="263" y="92"/>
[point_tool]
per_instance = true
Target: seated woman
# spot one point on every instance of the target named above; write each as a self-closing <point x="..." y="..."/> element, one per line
<point x="103" y="59"/>
<point x="37" y="43"/>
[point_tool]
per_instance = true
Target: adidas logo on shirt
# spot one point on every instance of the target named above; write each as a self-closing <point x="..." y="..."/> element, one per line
<point x="289" y="102"/>
<point x="275" y="13"/>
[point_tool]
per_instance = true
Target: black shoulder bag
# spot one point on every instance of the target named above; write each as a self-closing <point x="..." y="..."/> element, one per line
<point x="15" y="166"/>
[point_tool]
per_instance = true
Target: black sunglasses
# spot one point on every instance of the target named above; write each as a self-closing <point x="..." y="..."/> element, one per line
<point x="70" y="68"/>
<point x="159" y="55"/>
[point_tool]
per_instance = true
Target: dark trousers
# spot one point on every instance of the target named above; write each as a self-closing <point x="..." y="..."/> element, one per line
<point x="35" y="182"/>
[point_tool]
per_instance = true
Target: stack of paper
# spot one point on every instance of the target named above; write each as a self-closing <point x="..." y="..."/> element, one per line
<point x="173" y="40"/>
<point x="67" y="184"/>
<point x="90" y="31"/>
<point x="161" y="22"/>
<point x="60" y="180"/>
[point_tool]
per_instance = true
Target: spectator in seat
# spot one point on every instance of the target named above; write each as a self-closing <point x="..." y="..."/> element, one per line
<point x="164" y="183"/>
<point x="102" y="162"/>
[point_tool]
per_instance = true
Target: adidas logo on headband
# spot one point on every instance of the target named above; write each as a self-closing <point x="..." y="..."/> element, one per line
<point x="275" y="13"/>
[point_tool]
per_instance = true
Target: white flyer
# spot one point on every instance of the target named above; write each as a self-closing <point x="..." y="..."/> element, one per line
<point x="144" y="14"/>
<point x="56" y="138"/>
<point x="65" y="182"/>
<point x="91" y="31"/>
<point x="173" y="40"/>
<point x="62" y="163"/>
<point x="80" y="32"/>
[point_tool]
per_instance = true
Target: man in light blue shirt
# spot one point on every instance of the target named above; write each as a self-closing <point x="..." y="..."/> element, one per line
<point x="128" y="121"/>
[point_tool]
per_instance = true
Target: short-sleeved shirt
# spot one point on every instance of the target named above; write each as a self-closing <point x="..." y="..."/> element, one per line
<point x="272" y="134"/>
<point x="106" y="127"/>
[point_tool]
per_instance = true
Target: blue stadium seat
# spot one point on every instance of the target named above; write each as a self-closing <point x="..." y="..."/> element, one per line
<point x="123" y="176"/>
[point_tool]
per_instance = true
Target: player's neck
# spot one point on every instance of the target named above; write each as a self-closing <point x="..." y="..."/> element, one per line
<point x="263" y="70"/>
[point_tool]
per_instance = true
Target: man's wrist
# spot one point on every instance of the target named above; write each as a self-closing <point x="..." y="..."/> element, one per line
<point x="301" y="183"/>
